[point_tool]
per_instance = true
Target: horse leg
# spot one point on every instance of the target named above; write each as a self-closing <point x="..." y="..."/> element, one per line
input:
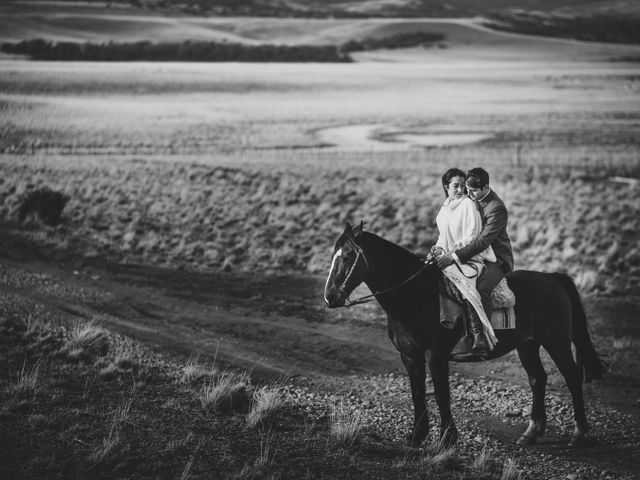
<point x="573" y="378"/>
<point x="529" y="353"/>
<point x="414" y="363"/>
<point x="439" y="368"/>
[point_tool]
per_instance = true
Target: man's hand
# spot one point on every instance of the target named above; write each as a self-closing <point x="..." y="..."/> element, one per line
<point x="445" y="260"/>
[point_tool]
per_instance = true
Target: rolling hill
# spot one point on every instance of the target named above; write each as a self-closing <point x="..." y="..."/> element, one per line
<point x="309" y="22"/>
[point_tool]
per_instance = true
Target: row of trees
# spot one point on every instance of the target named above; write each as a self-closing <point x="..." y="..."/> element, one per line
<point x="211" y="51"/>
<point x="174" y="52"/>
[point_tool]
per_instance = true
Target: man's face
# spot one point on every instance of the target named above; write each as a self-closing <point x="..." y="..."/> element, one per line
<point x="476" y="193"/>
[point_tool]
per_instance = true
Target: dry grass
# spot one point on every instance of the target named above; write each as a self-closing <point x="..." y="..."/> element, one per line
<point x="482" y="463"/>
<point x="28" y="382"/>
<point x="227" y="392"/>
<point x="439" y="454"/>
<point x="345" y="425"/>
<point x="266" y="403"/>
<point x="111" y="442"/>
<point x="510" y="470"/>
<point x="194" y="371"/>
<point x="87" y="340"/>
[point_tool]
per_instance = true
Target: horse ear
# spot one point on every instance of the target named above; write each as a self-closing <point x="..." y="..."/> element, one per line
<point x="358" y="230"/>
<point x="347" y="228"/>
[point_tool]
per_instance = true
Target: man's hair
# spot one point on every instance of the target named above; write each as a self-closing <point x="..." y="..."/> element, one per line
<point x="477" y="178"/>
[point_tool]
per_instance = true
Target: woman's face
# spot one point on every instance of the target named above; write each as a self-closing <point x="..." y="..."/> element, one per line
<point x="455" y="189"/>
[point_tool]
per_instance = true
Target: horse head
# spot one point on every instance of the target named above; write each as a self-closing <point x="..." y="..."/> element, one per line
<point x="349" y="267"/>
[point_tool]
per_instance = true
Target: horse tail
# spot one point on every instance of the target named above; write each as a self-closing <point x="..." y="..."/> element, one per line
<point x="587" y="357"/>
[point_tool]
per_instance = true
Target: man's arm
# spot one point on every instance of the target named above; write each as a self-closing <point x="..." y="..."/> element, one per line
<point x="496" y="221"/>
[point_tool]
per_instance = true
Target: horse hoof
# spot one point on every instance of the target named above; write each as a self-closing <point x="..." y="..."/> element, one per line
<point x="524" y="441"/>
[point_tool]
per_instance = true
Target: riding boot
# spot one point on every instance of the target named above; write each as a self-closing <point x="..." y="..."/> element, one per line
<point x="480" y="346"/>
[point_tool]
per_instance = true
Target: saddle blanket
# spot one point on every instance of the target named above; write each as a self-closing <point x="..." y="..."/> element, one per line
<point x="504" y="300"/>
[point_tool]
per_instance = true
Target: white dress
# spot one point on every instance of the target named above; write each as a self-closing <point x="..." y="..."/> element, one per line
<point x="459" y="223"/>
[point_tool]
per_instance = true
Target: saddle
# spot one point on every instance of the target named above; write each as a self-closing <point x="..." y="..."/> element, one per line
<point x="456" y="310"/>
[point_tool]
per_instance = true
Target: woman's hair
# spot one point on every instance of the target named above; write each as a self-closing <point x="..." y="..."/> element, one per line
<point x="448" y="175"/>
<point x="478" y="177"/>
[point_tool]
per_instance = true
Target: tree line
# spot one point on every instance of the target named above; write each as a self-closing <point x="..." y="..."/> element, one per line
<point x="189" y="51"/>
<point x="174" y="52"/>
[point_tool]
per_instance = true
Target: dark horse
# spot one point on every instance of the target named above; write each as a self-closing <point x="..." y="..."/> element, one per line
<point x="549" y="313"/>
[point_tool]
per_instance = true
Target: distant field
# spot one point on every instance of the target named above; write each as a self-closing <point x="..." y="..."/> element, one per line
<point x="242" y="166"/>
<point x="247" y="167"/>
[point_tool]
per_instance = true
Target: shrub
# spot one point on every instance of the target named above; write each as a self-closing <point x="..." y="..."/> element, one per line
<point x="47" y="204"/>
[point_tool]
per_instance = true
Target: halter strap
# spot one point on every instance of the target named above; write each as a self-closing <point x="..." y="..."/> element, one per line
<point x="359" y="253"/>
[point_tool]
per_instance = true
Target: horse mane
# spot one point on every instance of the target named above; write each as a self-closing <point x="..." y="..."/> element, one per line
<point x="402" y="252"/>
<point x="397" y="260"/>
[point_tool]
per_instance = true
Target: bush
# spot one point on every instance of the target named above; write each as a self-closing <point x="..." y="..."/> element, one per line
<point x="47" y="204"/>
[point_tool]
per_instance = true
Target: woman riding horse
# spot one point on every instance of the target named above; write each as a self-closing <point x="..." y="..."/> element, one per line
<point x="549" y="313"/>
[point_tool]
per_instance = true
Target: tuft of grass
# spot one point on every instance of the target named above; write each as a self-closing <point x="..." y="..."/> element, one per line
<point x="194" y="371"/>
<point x="266" y="403"/>
<point x="227" y="392"/>
<point x="439" y="454"/>
<point x="28" y="381"/>
<point x="345" y="425"/>
<point x="88" y="339"/>
<point x="446" y="458"/>
<point x="482" y="463"/>
<point x="510" y="470"/>
<point x="110" y="443"/>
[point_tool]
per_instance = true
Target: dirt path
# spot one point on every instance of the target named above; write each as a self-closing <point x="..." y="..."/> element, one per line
<point x="277" y="326"/>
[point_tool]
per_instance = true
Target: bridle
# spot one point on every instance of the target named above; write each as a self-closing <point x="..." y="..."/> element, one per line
<point x="359" y="255"/>
<point x="367" y="298"/>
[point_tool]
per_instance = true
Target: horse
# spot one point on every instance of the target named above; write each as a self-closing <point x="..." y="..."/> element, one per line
<point x="549" y="313"/>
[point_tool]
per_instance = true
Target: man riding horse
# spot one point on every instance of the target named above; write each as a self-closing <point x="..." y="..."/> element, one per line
<point x="494" y="217"/>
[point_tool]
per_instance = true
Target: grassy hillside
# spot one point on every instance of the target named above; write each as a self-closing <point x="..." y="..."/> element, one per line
<point x="365" y="8"/>
<point x="270" y="22"/>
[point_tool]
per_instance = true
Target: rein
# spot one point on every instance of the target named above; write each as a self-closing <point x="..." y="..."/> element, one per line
<point x="367" y="298"/>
